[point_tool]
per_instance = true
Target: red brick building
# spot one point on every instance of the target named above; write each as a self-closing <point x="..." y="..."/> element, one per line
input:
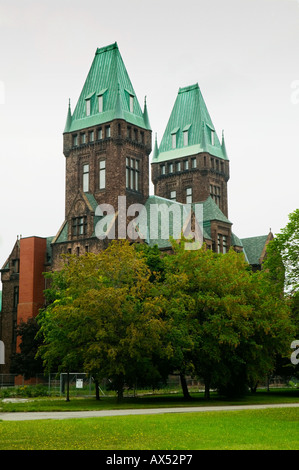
<point x="107" y="142"/>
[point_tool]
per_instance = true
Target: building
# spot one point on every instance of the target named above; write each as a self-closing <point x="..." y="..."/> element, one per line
<point x="107" y="142"/>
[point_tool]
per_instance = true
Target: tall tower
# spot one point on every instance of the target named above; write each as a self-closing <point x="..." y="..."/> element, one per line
<point x="106" y="143"/>
<point x="191" y="164"/>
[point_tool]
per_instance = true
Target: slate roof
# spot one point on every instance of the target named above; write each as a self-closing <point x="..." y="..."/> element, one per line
<point x="189" y="114"/>
<point x="107" y="77"/>
<point x="253" y="247"/>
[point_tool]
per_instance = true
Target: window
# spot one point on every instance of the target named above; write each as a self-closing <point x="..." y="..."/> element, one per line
<point x="86" y="178"/>
<point x="178" y="166"/>
<point x="91" y="136"/>
<point x="170" y="168"/>
<point x="215" y="193"/>
<point x="79" y="225"/>
<point x="173" y="195"/>
<point x="87" y="107"/>
<point x="224" y="244"/>
<point x="173" y="141"/>
<point x="16" y="266"/>
<point x="15" y="296"/>
<point x="185" y="134"/>
<point x="193" y="162"/>
<point x="100" y="133"/>
<point x="131" y="103"/>
<point x="102" y="175"/>
<point x="83" y="138"/>
<point x="212" y="137"/>
<point x="162" y="169"/>
<point x="219" y="244"/>
<point x="108" y="132"/>
<point x="186" y="165"/>
<point x="188" y="195"/>
<point x="100" y="103"/>
<point x="132" y="174"/>
<point x="75" y="140"/>
<point x="136" y="135"/>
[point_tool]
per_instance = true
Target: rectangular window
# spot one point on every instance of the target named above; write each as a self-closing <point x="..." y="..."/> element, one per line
<point x="193" y="162"/>
<point x="131" y="103"/>
<point x="108" y="132"/>
<point x="86" y="178"/>
<point x="87" y="107"/>
<point x="16" y="265"/>
<point x="173" y="141"/>
<point x="178" y="166"/>
<point x="224" y="244"/>
<point x="100" y="133"/>
<point x="188" y="195"/>
<point x="75" y="140"/>
<point x="162" y="169"/>
<point x="91" y="136"/>
<point x="173" y="195"/>
<point x="170" y="167"/>
<point x="132" y="174"/>
<point x="212" y="137"/>
<point x="185" y="133"/>
<point x="186" y="165"/>
<point x="219" y="244"/>
<point x="215" y="193"/>
<point x="15" y="296"/>
<point x="100" y="103"/>
<point x="79" y="226"/>
<point x="102" y="176"/>
<point x="83" y="138"/>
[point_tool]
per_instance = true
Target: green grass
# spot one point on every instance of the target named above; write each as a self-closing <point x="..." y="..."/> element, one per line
<point x="153" y="401"/>
<point x="269" y="429"/>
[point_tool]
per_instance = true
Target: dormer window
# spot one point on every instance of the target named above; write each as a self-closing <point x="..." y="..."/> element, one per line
<point x="174" y="137"/>
<point x="87" y="107"/>
<point x="131" y="103"/>
<point x="186" y="135"/>
<point x="173" y="141"/>
<point x="212" y="137"/>
<point x="100" y="96"/>
<point x="100" y="103"/>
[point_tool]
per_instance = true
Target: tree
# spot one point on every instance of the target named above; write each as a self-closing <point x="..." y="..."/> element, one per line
<point x="227" y="326"/>
<point x="103" y="315"/>
<point x="24" y="362"/>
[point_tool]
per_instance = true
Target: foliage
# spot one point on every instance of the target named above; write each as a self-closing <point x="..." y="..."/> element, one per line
<point x="226" y="324"/>
<point x="104" y="317"/>
<point x="24" y="362"/>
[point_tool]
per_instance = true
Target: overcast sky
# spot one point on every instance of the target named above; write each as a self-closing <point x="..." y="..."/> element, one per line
<point x="244" y="54"/>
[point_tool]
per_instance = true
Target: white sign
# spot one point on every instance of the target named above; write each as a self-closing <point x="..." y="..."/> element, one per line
<point x="79" y="383"/>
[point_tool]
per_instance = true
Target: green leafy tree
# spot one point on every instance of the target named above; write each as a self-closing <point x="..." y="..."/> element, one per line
<point x="24" y="362"/>
<point x="226" y="325"/>
<point x="103" y="315"/>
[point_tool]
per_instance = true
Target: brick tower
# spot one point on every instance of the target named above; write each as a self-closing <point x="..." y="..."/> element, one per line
<point x="106" y="143"/>
<point x="191" y="165"/>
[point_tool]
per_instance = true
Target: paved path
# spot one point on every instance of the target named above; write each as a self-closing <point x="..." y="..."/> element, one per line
<point x="24" y="416"/>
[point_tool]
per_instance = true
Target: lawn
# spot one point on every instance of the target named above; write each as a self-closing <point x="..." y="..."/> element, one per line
<point x="269" y="429"/>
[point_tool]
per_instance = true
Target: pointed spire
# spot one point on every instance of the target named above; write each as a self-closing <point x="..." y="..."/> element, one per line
<point x="145" y="116"/>
<point x="156" y="149"/>
<point x="118" y="107"/>
<point x="223" y="146"/>
<point x="68" y="119"/>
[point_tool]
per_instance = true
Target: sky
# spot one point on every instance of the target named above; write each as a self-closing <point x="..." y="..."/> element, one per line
<point x="244" y="54"/>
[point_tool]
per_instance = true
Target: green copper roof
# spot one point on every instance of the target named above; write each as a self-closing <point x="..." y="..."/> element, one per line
<point x="108" y="78"/>
<point x="189" y="115"/>
<point x="253" y="247"/>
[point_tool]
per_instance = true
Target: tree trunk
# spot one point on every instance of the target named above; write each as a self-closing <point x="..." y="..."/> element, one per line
<point x="97" y="389"/>
<point x="68" y="386"/>
<point x="207" y="389"/>
<point x="184" y="387"/>
<point x="120" y="388"/>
